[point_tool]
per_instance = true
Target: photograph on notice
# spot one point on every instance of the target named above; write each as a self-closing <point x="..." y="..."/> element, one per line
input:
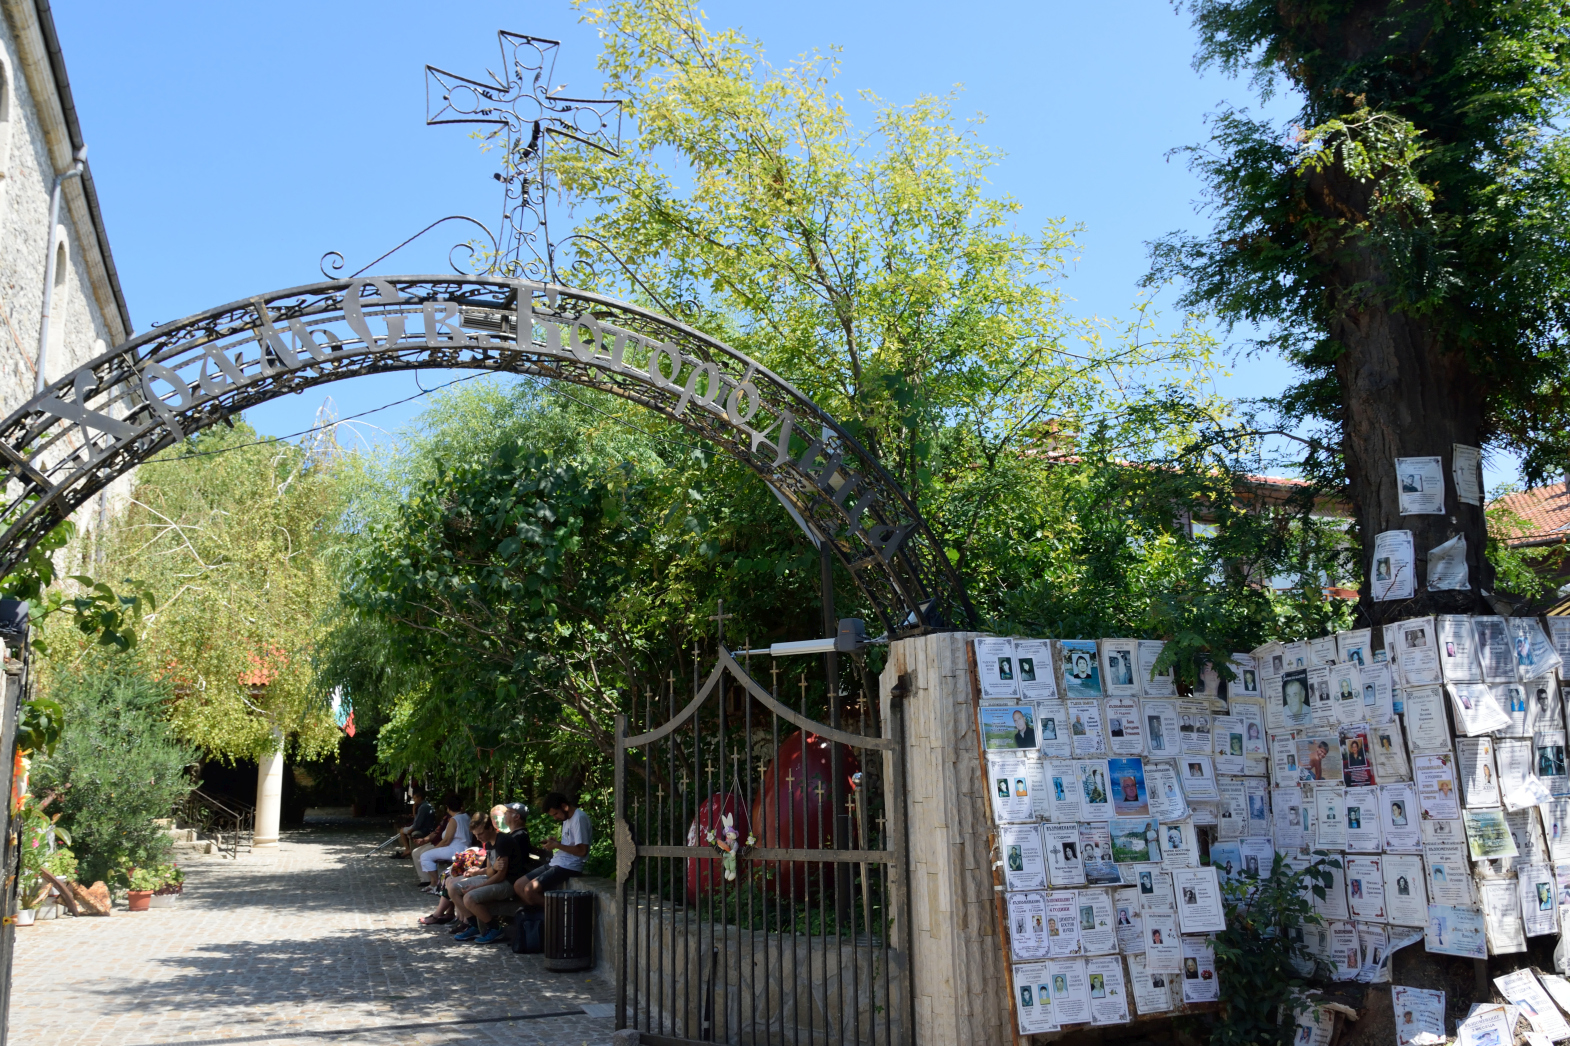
<point x="1081" y="668"/>
<point x="1010" y="726"/>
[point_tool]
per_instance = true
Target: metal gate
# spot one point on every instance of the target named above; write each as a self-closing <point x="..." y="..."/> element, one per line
<point x="761" y="871"/>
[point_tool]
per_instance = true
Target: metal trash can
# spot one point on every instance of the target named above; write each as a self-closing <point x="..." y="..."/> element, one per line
<point x="569" y="929"/>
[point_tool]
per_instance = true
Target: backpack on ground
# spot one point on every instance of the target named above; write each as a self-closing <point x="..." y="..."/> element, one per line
<point x="527" y="933"/>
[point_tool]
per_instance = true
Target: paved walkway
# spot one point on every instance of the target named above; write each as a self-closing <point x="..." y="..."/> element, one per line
<point x="310" y="944"/>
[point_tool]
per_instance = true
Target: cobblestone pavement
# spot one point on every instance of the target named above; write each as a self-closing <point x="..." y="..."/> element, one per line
<point x="309" y="944"/>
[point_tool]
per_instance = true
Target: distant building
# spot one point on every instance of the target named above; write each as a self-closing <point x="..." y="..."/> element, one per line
<point x="39" y="138"/>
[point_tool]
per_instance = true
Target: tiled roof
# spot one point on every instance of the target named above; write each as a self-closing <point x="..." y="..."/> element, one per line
<point x="1544" y="513"/>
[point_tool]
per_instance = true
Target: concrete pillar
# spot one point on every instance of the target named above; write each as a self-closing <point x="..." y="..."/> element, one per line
<point x="957" y="974"/>
<point x="269" y="795"/>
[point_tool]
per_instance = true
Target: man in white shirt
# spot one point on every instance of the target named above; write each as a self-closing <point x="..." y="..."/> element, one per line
<point x="567" y="853"/>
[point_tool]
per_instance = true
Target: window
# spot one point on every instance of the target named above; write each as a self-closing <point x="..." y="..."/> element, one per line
<point x="58" y="301"/>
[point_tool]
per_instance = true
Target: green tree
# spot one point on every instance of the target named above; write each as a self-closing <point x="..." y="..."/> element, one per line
<point x="118" y="765"/>
<point x="1399" y="240"/>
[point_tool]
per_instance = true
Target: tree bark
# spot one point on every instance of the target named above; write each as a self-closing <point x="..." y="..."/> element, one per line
<point x="1405" y="395"/>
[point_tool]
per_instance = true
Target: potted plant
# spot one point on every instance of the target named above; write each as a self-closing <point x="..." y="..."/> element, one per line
<point x="43" y="850"/>
<point x="172" y="887"/>
<point x="142" y="883"/>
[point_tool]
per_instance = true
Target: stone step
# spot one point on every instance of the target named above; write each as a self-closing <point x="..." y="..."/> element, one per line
<point x="180" y="835"/>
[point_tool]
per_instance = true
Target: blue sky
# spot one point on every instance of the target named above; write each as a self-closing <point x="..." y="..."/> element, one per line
<point x="234" y="143"/>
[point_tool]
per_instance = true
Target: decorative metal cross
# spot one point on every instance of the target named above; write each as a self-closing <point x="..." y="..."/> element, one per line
<point x="524" y="108"/>
<point x="720" y="617"/>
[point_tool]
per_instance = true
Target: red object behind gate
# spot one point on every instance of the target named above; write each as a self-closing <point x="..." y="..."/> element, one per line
<point x="793" y="812"/>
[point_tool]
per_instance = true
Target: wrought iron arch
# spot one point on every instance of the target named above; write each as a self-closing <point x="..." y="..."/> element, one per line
<point x="104" y="418"/>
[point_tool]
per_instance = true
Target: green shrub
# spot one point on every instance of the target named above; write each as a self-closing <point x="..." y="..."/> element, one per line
<point x="116" y="769"/>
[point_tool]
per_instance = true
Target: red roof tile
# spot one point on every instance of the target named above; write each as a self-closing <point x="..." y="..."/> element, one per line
<point x="1544" y="513"/>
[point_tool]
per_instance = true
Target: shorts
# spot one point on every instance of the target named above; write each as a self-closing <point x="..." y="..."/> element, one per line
<point x="467" y="883"/>
<point x="551" y="876"/>
<point x="493" y="894"/>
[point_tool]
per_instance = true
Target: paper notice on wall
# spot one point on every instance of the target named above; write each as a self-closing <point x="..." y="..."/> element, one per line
<point x="1015" y="778"/>
<point x="1119" y="667"/>
<point x="1365" y="888"/>
<point x="1436" y="787"/>
<point x="1502" y="916"/>
<point x="1539" y="907"/>
<point x="1061" y="844"/>
<point x="1125" y="729"/>
<point x="1024" y="866"/>
<point x="1153" y="683"/>
<point x="1027" y="914"/>
<point x="1456" y="931"/>
<point x="1487" y="1026"/>
<point x="1085" y="726"/>
<point x="1479" y="780"/>
<point x="1457" y="645"/>
<point x="1418" y="1011"/>
<point x="1130" y="920"/>
<point x="995" y="663"/>
<point x="1399" y="817"/>
<point x="1179" y="846"/>
<point x="1389" y="752"/>
<point x="1447" y="566"/>
<point x="1466" y="468"/>
<point x="1559" y="635"/>
<point x="1108" y="995"/>
<point x="1449" y="874"/>
<point x="1098" y="932"/>
<point x="1033" y="668"/>
<point x="1394" y="564"/>
<point x="1313" y="1026"/>
<point x="1151" y="989"/>
<point x="1415" y="649"/>
<point x="1052" y="733"/>
<point x="1363" y="833"/>
<point x="1522" y="990"/>
<point x="1070" y="991"/>
<point x="1062" y="788"/>
<point x="1162" y="734"/>
<point x="1495" y="652"/>
<point x="1405" y="895"/>
<point x="1199" y="971"/>
<point x="1427" y="726"/>
<point x="1488" y="835"/>
<point x="1165" y="792"/>
<point x="1421" y="486"/>
<point x="1477" y="710"/>
<point x="1199" y="900"/>
<point x="1033" y="998"/>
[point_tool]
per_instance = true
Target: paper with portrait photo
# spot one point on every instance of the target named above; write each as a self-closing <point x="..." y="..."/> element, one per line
<point x="1070" y="991"/>
<point x="1200" y="982"/>
<point x="1199" y="905"/>
<point x="1449" y="874"/>
<point x="1555" y="815"/>
<point x="1333" y="905"/>
<point x="1062" y="926"/>
<point x="1297" y="705"/>
<point x="1062" y="790"/>
<point x="1502" y="916"/>
<point x="1162" y="737"/>
<point x="1456" y="931"/>
<point x="1458" y="649"/>
<point x="1245" y="677"/>
<point x="1033" y="998"/>
<point x="1098" y="931"/>
<point x="1151" y="990"/>
<point x="1155" y="889"/>
<point x="1165" y="792"/>
<point x="1027" y="922"/>
<point x="1060" y="843"/>
<point x="1415" y="651"/>
<point x="1319" y="690"/>
<point x="1227" y="859"/>
<point x="1290" y="827"/>
<point x="1329" y="817"/>
<point x="1130" y="920"/>
<point x="1257" y="793"/>
<point x="1134" y="840"/>
<point x="1095" y="849"/>
<point x="1080" y="665"/>
<point x="1418" y="1011"/>
<point x="1232" y="808"/>
<point x="1163" y="945"/>
<point x="1421" y="486"/>
<point x="995" y="663"/>
<point x="1365" y="888"/>
<point x="1227" y="735"/>
<point x="1275" y="714"/>
<point x="1251" y="710"/>
<point x="1322" y="650"/>
<point x="1033" y="668"/>
<point x="1199" y="777"/>
<point x="1535" y="655"/>
<point x="1479" y="778"/>
<point x="1434" y="776"/>
<point x="1388" y="749"/>
<point x="1399" y="818"/>
<point x="1354" y="647"/>
<point x="1373" y="945"/>
<point x="1346" y="692"/>
<point x="1519" y="786"/>
<point x="1378" y="693"/>
<point x="1406" y="897"/>
<point x="1478" y="709"/>
<point x="1345" y="957"/>
<point x="1357" y="763"/>
<point x="1364" y="832"/>
<point x="1495" y="651"/>
<point x="1053" y="738"/>
<point x="1558" y="988"/>
<point x="1545" y="710"/>
<point x="1487" y="1026"/>
<point x="1319" y="759"/>
<point x="1258" y="853"/>
<point x="1194" y="727"/>
<point x="1008" y="727"/>
<point x="1536" y="891"/>
<point x="1086" y="728"/>
<point x="1108" y="994"/>
<point x="1126" y="779"/>
<point x="1095" y="789"/>
<point x="1394" y="564"/>
<point x="1427" y="726"/>
<point x="1526" y="831"/>
<point x="1521" y="989"/>
<point x="1024" y="864"/>
<point x="1015" y="779"/>
<point x="1559" y="636"/>
<point x="1119" y="667"/>
<point x="1179" y="846"/>
<point x="1125" y="730"/>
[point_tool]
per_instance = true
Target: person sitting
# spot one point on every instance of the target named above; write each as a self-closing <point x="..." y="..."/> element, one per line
<point x="429" y="842"/>
<point x="468" y="867"/>
<point x="453" y="840"/>
<point x="423" y="824"/>
<point x="509" y="854"/>
<point x="567" y="853"/>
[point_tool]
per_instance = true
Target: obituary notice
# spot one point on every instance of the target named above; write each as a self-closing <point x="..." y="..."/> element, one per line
<point x="1421" y="486"/>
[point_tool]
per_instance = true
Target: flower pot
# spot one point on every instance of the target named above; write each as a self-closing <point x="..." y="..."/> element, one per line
<point x="165" y="900"/>
<point x="138" y="900"/>
<point x="51" y="910"/>
<point x="25" y="917"/>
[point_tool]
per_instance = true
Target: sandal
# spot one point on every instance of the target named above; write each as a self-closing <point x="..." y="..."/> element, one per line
<point x="436" y="920"/>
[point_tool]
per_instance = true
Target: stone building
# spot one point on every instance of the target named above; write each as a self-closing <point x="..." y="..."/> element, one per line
<point x="40" y="139"/>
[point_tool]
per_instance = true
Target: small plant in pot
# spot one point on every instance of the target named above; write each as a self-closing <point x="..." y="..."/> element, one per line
<point x="173" y="886"/>
<point x="141" y="884"/>
<point x="43" y="850"/>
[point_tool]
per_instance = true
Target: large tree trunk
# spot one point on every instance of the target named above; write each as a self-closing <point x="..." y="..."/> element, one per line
<point x="1404" y="395"/>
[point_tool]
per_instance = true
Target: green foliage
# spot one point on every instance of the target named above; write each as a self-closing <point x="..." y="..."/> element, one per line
<point x="44" y="849"/>
<point x="118" y="766"/>
<point x="231" y="539"/>
<point x="39" y="728"/>
<point x="1261" y="957"/>
<point x="1427" y="174"/>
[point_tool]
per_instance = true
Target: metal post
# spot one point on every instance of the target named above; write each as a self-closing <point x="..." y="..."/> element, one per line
<point x="623" y="862"/>
<point x="831" y="672"/>
<point x="14" y="689"/>
<point x="895" y="793"/>
<point x="79" y="161"/>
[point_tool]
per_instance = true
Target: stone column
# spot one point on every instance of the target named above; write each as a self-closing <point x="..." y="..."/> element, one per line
<point x="269" y="794"/>
<point x="957" y="974"/>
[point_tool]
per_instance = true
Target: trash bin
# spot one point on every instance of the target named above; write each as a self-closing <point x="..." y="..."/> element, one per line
<point x="569" y="929"/>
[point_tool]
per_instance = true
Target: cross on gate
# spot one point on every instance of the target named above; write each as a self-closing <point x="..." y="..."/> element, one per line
<point x="720" y="617"/>
<point x="525" y="108"/>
